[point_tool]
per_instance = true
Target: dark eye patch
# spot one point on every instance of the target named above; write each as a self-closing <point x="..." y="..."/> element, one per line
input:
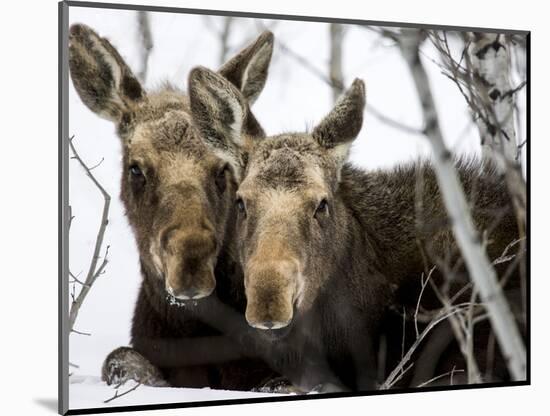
<point x="137" y="177"/>
<point x="135" y="170"/>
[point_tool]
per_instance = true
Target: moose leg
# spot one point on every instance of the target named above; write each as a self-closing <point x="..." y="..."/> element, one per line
<point x="194" y="376"/>
<point x="310" y="371"/>
<point x="125" y="363"/>
<point x="250" y="374"/>
<point x="364" y="362"/>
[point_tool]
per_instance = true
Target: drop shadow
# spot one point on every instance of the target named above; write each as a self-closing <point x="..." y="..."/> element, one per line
<point x="49" y="404"/>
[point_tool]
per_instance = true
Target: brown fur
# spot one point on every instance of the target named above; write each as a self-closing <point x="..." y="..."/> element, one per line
<point x="179" y="178"/>
<point x="327" y="248"/>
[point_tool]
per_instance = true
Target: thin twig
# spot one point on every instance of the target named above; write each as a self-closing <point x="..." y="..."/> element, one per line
<point x="80" y="332"/>
<point x="75" y="279"/>
<point x="97" y="164"/>
<point x="116" y="396"/>
<point x="423" y="284"/>
<point x="448" y="373"/>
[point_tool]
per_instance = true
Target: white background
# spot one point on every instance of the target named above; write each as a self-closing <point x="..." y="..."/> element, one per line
<point x="29" y="204"/>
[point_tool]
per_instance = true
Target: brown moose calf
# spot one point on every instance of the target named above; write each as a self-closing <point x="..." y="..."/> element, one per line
<point x="327" y="248"/>
<point x="179" y="177"/>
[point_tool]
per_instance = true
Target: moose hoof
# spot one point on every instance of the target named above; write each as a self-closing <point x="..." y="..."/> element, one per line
<point x="279" y="385"/>
<point x="125" y="364"/>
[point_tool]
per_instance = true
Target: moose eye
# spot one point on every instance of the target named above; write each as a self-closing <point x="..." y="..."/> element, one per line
<point x="135" y="170"/>
<point x="239" y="203"/>
<point x="322" y="208"/>
<point x="137" y="178"/>
<point x="221" y="181"/>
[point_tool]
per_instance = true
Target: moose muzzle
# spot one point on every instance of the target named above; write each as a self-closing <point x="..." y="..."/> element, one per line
<point x="190" y="258"/>
<point x="271" y="289"/>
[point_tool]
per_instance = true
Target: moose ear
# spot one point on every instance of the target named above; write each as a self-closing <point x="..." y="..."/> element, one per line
<point x="218" y="108"/>
<point x="101" y="77"/>
<point x="248" y="69"/>
<point x="341" y="126"/>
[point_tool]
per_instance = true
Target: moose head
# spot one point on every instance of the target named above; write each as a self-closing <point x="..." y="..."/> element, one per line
<point x="179" y="171"/>
<point x="289" y="209"/>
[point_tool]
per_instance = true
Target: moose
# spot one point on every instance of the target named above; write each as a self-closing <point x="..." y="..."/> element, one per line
<point x="328" y="249"/>
<point x="179" y="178"/>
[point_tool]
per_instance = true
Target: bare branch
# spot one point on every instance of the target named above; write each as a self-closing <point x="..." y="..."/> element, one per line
<point x="398" y="370"/>
<point x="335" y="61"/>
<point x="484" y="82"/>
<point x="399" y="376"/>
<point x="116" y="396"/>
<point x="490" y="64"/>
<point x="224" y="39"/>
<point x="480" y="269"/>
<point x="70" y="216"/>
<point x="75" y="279"/>
<point x="384" y="32"/>
<point x="93" y="271"/>
<point x="471" y="364"/>
<point x="448" y="373"/>
<point x="340" y="88"/>
<point x="461" y="328"/>
<point x="81" y="333"/>
<point x="97" y="164"/>
<point x="505" y="257"/>
<point x="222" y="34"/>
<point x="146" y="41"/>
<point x="403" y="333"/>
<point x="423" y="284"/>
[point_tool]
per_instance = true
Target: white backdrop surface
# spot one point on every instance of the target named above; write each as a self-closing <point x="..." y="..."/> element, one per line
<point x="30" y="286"/>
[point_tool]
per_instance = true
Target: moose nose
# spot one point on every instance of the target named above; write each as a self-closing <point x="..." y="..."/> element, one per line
<point x="269" y="324"/>
<point x="195" y="293"/>
<point x="189" y="293"/>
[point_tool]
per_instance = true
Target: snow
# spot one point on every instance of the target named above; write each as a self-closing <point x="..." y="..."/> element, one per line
<point x="294" y="99"/>
<point x="89" y="392"/>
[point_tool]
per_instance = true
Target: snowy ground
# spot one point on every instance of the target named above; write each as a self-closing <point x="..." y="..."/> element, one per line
<point x="90" y="391"/>
<point x="292" y="100"/>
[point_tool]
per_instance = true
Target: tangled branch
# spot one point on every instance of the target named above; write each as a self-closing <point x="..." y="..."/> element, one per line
<point x="480" y="268"/>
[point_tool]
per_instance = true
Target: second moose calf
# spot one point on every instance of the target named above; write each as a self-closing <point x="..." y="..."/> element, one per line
<point x="327" y="248"/>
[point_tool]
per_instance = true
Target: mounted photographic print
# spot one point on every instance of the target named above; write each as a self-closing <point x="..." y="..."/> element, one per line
<point x="267" y="208"/>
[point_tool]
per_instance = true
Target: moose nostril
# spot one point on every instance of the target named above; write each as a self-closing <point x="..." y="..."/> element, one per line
<point x="191" y="292"/>
<point x="269" y="324"/>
